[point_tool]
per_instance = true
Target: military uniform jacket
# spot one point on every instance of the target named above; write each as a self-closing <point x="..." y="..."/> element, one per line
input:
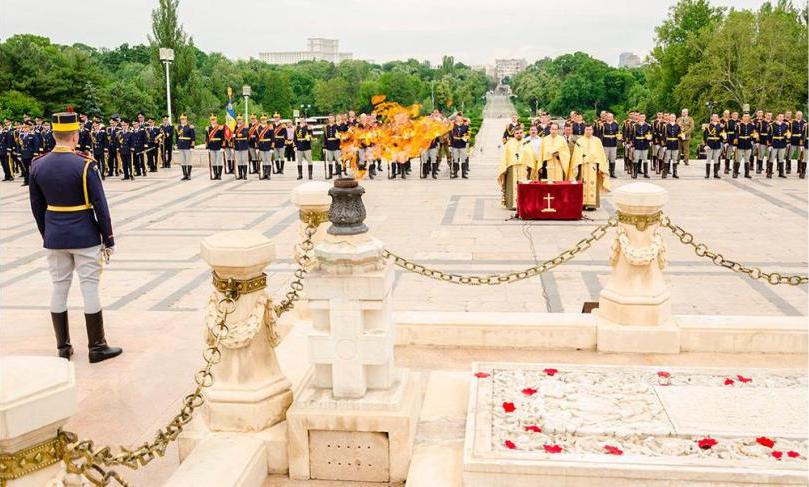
<point x="85" y="143"/>
<point x="763" y="130"/>
<point x="46" y="141"/>
<point x="280" y="136"/>
<point x="68" y="202"/>
<point x="252" y="136"/>
<point x="730" y="129"/>
<point x="186" y="135"/>
<point x="745" y="135"/>
<point x="240" y="138"/>
<point x="796" y="129"/>
<point x="214" y="137"/>
<point x="303" y="138"/>
<point x="112" y="138"/>
<point x="641" y="135"/>
<point x="779" y="134"/>
<point x="672" y="132"/>
<point x="168" y="136"/>
<point x="578" y="128"/>
<point x="139" y="140"/>
<point x="125" y="141"/>
<point x="609" y="134"/>
<point x="714" y="135"/>
<point x="99" y="140"/>
<point x="459" y="136"/>
<point x="510" y="129"/>
<point x="331" y="141"/>
<point x="628" y="130"/>
<point x="29" y="145"/>
<point x="265" y="136"/>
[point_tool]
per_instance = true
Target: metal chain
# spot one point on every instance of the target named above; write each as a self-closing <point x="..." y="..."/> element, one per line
<point x="83" y="458"/>
<point x="702" y="250"/>
<point x="496" y="279"/>
<point x="304" y="260"/>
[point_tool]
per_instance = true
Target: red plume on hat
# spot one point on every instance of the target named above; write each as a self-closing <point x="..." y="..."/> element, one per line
<point x="70" y="109"/>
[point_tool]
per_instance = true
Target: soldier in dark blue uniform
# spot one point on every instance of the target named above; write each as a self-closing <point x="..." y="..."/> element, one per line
<point x="138" y="148"/>
<point x="5" y="159"/>
<point x="241" y="146"/>
<point x="85" y="144"/>
<point x="70" y="209"/>
<point x="763" y="130"/>
<point x="640" y="137"/>
<point x="744" y="138"/>
<point x="186" y="136"/>
<point x="167" y="145"/>
<point x="331" y="147"/>
<point x="459" y="139"/>
<point x="29" y="148"/>
<point x="779" y="135"/>
<point x="673" y="134"/>
<point x="46" y="138"/>
<point x="152" y="146"/>
<point x="795" y="143"/>
<point x="279" y="144"/>
<point x="215" y="136"/>
<point x="98" y="137"/>
<point x="126" y="151"/>
<point x="610" y="133"/>
<point x="112" y="146"/>
<point x="303" y="147"/>
<point x="713" y="135"/>
<point x="265" y="137"/>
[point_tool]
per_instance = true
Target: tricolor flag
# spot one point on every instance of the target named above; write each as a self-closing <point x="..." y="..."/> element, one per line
<point x="230" y="115"/>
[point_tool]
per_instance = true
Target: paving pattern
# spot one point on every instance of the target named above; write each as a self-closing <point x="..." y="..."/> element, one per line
<point x="155" y="287"/>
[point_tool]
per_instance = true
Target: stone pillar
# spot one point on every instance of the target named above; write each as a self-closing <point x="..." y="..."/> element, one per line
<point x="37" y="397"/>
<point x="312" y="200"/>
<point x="634" y="313"/>
<point x="249" y="393"/>
<point x="355" y="416"/>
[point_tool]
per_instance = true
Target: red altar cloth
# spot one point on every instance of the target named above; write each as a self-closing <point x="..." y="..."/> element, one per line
<point x="549" y="201"/>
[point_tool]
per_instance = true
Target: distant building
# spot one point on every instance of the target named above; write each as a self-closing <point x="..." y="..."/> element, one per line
<point x="628" y="60"/>
<point x="318" y="49"/>
<point x="508" y="67"/>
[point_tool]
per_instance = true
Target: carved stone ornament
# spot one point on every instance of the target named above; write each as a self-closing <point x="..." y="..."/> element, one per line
<point x="347" y="211"/>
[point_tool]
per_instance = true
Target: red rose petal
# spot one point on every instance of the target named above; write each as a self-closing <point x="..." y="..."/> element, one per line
<point x="793" y="454"/>
<point x="509" y="407"/>
<point x="777" y="454"/>
<point x="534" y="428"/>
<point x="528" y="391"/>
<point x="550" y="372"/>
<point x="613" y="450"/>
<point x="663" y="374"/>
<point x="481" y="375"/>
<point x="510" y="444"/>
<point x="706" y="443"/>
<point x="763" y="440"/>
<point x="552" y="448"/>
<point x="744" y="379"/>
<point x="729" y="381"/>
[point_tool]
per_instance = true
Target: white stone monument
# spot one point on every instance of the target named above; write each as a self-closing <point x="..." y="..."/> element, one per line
<point x="37" y="397"/>
<point x="634" y="313"/>
<point x="355" y="415"/>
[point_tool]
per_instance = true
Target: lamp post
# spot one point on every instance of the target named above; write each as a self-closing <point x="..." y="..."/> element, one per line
<point x="246" y="92"/>
<point x="167" y="56"/>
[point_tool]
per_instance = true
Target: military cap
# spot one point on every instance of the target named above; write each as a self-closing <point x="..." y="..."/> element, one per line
<point x="276" y="114"/>
<point x="183" y="117"/>
<point x="213" y="117"/>
<point x="65" y="122"/>
<point x="263" y="118"/>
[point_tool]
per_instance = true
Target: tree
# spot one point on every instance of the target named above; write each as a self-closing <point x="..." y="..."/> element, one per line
<point x="14" y="105"/>
<point x="167" y="32"/>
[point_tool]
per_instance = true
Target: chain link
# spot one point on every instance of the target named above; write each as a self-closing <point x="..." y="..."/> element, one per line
<point x="84" y="458"/>
<point x="304" y="261"/>
<point x="753" y="272"/>
<point x="495" y="279"/>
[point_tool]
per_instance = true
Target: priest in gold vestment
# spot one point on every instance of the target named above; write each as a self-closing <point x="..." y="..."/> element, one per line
<point x="513" y="168"/>
<point x="555" y="155"/>
<point x="591" y="161"/>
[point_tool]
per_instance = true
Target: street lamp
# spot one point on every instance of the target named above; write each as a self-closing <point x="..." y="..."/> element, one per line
<point x="167" y="56"/>
<point x="246" y="92"/>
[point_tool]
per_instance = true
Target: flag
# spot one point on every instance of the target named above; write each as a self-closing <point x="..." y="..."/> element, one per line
<point x="230" y="115"/>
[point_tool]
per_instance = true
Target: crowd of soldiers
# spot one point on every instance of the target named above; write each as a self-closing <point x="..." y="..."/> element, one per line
<point x="761" y="143"/>
<point x="264" y="146"/>
<point x="121" y="148"/>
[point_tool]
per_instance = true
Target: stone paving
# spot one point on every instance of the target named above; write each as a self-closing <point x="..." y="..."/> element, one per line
<point x="155" y="287"/>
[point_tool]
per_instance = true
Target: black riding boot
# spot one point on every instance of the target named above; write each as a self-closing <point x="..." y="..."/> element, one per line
<point x="300" y="171"/>
<point x="759" y="166"/>
<point x="789" y="165"/>
<point x="727" y="166"/>
<point x="465" y="170"/>
<point x="747" y="166"/>
<point x="781" y="170"/>
<point x="435" y="170"/>
<point x="62" y="332"/>
<point x="665" y="172"/>
<point x="735" y="170"/>
<point x="99" y="350"/>
<point x="425" y="168"/>
<point x="309" y="171"/>
<point x="769" y="170"/>
<point x="674" y="175"/>
<point x="454" y="170"/>
<point x="646" y="170"/>
<point x="801" y="170"/>
<point x="707" y="171"/>
<point x="635" y="170"/>
<point x="716" y="171"/>
<point x="402" y="166"/>
<point x="372" y="171"/>
<point x="331" y="171"/>
<point x="612" y="170"/>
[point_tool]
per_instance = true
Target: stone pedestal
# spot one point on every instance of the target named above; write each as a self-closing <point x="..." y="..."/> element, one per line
<point x="37" y="397"/>
<point x="249" y="393"/>
<point x="312" y="200"/>
<point x="634" y="310"/>
<point x="355" y="415"/>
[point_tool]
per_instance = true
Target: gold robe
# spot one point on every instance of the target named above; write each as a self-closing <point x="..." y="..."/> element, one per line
<point x="513" y="169"/>
<point x="591" y="161"/>
<point x="558" y="165"/>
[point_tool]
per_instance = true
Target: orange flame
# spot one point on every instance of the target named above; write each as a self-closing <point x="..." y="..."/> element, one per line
<point x="393" y="132"/>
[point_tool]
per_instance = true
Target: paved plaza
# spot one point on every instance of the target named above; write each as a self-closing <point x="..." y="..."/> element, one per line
<point x="156" y="285"/>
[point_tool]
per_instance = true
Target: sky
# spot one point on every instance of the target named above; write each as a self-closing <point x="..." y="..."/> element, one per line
<point x="474" y="31"/>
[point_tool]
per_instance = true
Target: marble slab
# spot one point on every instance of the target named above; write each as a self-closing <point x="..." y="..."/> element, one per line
<point x="571" y="425"/>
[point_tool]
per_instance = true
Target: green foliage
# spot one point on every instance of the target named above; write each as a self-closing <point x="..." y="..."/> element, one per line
<point x="14" y="105"/>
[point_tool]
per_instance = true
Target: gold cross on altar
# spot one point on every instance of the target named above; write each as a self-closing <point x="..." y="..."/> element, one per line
<point x="548" y="198"/>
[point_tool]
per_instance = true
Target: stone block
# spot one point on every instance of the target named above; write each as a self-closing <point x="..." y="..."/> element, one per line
<point x="237" y="461"/>
<point x="361" y="456"/>
<point x="637" y="339"/>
